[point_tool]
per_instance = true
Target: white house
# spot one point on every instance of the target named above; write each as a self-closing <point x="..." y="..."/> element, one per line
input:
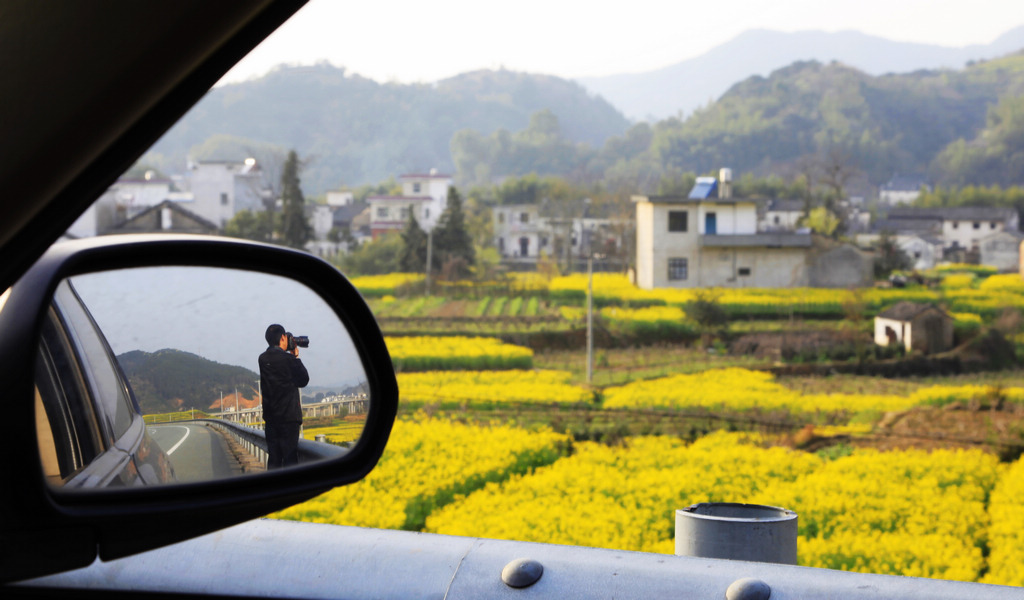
<point x="959" y="227"/>
<point x="519" y="231"/>
<point x="426" y="196"/>
<point x="220" y="189"/>
<point x="710" y="239"/>
<point x="432" y="185"/>
<point x="1001" y="250"/>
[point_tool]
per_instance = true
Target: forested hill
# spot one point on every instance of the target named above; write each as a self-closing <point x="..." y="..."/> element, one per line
<point x="688" y="85"/>
<point x="959" y="126"/>
<point x="171" y="380"/>
<point x="354" y="130"/>
<point x="884" y="124"/>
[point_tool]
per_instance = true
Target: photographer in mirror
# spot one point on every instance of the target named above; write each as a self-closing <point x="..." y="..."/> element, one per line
<point x="281" y="376"/>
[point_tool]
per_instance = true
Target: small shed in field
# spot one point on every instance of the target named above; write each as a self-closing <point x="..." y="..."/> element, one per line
<point x="923" y="327"/>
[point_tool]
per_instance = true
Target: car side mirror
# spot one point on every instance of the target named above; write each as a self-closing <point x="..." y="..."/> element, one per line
<point x="111" y="346"/>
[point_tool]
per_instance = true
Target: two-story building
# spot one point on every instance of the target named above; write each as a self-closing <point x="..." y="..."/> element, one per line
<point x="710" y="239"/>
<point x="519" y="231"/>
<point x="984" y="234"/>
<point x="425" y="196"/>
<point x="958" y="226"/>
<point x="222" y="188"/>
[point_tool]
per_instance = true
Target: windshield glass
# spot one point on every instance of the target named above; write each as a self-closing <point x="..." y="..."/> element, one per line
<point x="629" y="262"/>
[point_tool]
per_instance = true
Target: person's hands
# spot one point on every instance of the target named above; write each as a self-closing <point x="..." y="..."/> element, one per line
<point x="295" y="351"/>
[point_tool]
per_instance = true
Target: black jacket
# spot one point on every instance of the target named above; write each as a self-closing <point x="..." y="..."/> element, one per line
<point x="281" y="376"/>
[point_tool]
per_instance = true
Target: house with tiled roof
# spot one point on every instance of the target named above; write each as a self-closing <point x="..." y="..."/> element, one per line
<point x="915" y="326"/>
<point x="959" y="231"/>
<point x="125" y="199"/>
<point x="166" y="217"/>
<point x="958" y="226"/>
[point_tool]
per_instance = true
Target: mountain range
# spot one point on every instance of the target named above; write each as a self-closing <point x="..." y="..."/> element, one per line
<point x="689" y="84"/>
<point x="352" y="130"/>
<point x="171" y="380"/>
<point x="484" y="126"/>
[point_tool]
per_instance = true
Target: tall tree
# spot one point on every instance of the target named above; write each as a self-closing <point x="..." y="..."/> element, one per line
<point x="295" y="229"/>
<point x="413" y="258"/>
<point x="452" y="241"/>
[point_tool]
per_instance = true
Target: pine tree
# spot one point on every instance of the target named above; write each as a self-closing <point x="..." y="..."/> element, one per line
<point x="295" y="229"/>
<point x="452" y="242"/>
<point x="414" y="246"/>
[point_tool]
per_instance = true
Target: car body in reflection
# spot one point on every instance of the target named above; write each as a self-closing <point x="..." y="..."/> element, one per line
<point x="90" y="429"/>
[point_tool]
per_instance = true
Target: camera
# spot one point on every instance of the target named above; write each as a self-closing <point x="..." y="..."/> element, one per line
<point x="302" y="341"/>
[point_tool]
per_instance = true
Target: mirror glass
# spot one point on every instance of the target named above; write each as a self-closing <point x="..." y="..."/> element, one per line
<point x="158" y="375"/>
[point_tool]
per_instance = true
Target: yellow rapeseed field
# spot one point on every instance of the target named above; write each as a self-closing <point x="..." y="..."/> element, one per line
<point x="912" y="512"/>
<point x="622" y="498"/>
<point x="379" y="285"/>
<point x="427" y="462"/>
<point x="737" y="389"/>
<point x="427" y="353"/>
<point x="491" y="387"/>
<point x="903" y="512"/>
<point x="1006" y="533"/>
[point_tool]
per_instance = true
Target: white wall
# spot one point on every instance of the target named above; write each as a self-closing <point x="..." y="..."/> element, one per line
<point x="964" y="233"/>
<point x="901" y="197"/>
<point x="340" y="198"/>
<point x="731" y="218"/>
<point x="656" y="245"/>
<point x="509" y="227"/>
<point x="781" y="220"/>
<point x="433" y="186"/>
<point x="924" y="254"/>
<point x="880" y="324"/>
<point x="213" y="190"/>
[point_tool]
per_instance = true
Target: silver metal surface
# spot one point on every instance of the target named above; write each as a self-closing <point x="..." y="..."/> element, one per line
<point x="735" y="531"/>
<point x="290" y="559"/>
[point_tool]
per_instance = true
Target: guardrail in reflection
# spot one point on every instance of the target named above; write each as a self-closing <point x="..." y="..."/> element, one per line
<point x="254" y="441"/>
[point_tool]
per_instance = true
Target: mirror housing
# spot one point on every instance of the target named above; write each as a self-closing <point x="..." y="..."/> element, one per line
<point x="71" y="530"/>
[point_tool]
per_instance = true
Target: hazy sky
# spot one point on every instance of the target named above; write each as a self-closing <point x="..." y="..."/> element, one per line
<point x="219" y="314"/>
<point x="425" y="41"/>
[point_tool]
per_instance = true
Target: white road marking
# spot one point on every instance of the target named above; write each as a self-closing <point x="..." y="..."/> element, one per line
<point x="181" y="441"/>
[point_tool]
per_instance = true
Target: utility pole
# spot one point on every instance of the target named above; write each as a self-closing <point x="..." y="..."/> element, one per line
<point x="590" y="318"/>
<point x="430" y="250"/>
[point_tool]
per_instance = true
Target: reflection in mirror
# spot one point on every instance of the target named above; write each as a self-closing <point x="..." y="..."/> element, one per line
<point x="153" y="375"/>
